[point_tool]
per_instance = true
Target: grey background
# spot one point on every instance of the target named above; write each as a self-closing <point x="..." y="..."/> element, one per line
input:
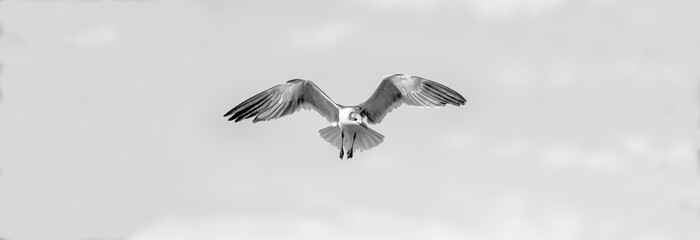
<point x="581" y="121"/>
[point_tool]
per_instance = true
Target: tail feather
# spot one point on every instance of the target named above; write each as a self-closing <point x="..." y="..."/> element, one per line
<point x="370" y="138"/>
<point x="365" y="139"/>
<point x="362" y="143"/>
<point x="332" y="135"/>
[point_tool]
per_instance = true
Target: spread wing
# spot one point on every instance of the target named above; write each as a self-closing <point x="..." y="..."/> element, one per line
<point x="415" y="91"/>
<point x="285" y="99"/>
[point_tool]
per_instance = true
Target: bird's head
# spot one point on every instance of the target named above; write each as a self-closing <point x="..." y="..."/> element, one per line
<point x="355" y="117"/>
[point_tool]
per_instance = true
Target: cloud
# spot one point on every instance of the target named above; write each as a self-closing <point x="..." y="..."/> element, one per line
<point x="570" y="156"/>
<point x="653" y="234"/>
<point x="350" y="224"/>
<point x="459" y="140"/>
<point x="322" y="36"/>
<point x="604" y="161"/>
<point x="487" y="9"/>
<point x="680" y="154"/>
<point x="516" y="75"/>
<point x="639" y="145"/>
<point x="516" y="149"/>
<point x="415" y="5"/>
<point x="512" y="215"/>
<point x="95" y="37"/>
<point x="509" y="8"/>
<point x="560" y="156"/>
<point x="561" y="74"/>
<point x="380" y="163"/>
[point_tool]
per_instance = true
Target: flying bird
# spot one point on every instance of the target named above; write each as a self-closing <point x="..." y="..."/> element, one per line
<point x="349" y="128"/>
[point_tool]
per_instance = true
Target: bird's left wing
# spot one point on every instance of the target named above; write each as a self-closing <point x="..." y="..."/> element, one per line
<point x="285" y="99"/>
<point x="412" y="90"/>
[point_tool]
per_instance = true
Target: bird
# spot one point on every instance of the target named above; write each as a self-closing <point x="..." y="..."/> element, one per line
<point x="349" y="129"/>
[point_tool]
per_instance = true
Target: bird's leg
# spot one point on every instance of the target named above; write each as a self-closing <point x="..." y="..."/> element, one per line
<point x="342" y="135"/>
<point x="352" y="146"/>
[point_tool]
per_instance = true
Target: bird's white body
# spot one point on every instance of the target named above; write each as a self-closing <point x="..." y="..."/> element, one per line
<point x="344" y="119"/>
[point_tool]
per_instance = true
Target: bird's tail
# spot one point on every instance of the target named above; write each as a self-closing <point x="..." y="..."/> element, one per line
<point x="366" y="138"/>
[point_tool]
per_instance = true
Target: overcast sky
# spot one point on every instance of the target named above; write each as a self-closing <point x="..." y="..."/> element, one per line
<point x="581" y="120"/>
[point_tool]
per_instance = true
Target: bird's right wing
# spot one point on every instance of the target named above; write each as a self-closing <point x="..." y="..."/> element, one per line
<point x="412" y="90"/>
<point x="285" y="99"/>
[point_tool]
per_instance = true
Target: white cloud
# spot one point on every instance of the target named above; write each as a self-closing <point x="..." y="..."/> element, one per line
<point x="322" y="36"/>
<point x="507" y="8"/>
<point x="488" y="9"/>
<point x="570" y="156"/>
<point x="652" y="234"/>
<point x="379" y="163"/>
<point x="560" y="156"/>
<point x="562" y="222"/>
<point x="508" y="216"/>
<point x="350" y="224"/>
<point x="512" y="149"/>
<point x="459" y="140"/>
<point x="519" y="216"/>
<point x="604" y="161"/>
<point x="681" y="154"/>
<point x="416" y="5"/>
<point x="516" y="215"/>
<point x="516" y="75"/>
<point x="94" y="37"/>
<point x="640" y="145"/>
<point x="562" y="74"/>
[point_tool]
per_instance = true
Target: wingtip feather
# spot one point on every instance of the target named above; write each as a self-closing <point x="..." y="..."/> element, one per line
<point x="450" y="95"/>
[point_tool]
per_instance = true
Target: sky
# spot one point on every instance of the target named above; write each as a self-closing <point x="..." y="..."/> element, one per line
<point x="581" y="121"/>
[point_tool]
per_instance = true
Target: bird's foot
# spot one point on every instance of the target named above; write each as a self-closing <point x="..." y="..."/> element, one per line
<point x="341" y="154"/>
<point x="350" y="152"/>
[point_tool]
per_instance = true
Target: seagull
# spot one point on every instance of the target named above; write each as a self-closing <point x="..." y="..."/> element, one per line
<point x="348" y="128"/>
